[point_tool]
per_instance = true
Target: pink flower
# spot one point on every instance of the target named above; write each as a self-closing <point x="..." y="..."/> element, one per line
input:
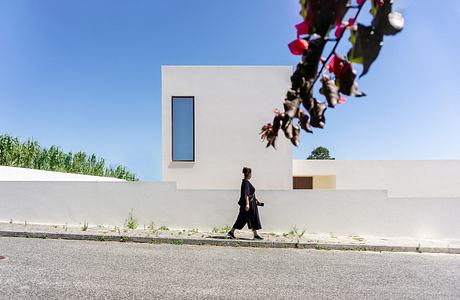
<point x="277" y="112"/>
<point x="339" y="30"/>
<point x="302" y="28"/>
<point x="338" y="66"/>
<point x="342" y="100"/>
<point x="298" y="46"/>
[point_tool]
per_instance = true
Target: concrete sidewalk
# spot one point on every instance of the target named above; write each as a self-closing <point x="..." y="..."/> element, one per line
<point x="292" y="239"/>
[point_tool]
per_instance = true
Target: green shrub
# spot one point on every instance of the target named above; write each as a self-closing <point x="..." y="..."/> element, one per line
<point x="30" y="154"/>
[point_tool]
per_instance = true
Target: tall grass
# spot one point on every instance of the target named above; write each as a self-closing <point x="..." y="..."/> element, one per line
<point x="30" y="154"/>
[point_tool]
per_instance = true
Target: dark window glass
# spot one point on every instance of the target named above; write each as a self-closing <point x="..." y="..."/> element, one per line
<point x="183" y="131"/>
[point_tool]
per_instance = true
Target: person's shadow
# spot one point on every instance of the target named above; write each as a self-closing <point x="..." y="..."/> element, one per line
<point x="223" y="237"/>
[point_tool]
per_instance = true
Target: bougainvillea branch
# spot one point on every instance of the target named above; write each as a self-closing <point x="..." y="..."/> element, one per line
<point x="336" y="72"/>
<point x="339" y="37"/>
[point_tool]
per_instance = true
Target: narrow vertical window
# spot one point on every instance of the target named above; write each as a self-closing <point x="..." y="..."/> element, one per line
<point x="183" y="128"/>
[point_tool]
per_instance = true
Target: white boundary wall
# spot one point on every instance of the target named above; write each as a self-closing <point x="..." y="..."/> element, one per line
<point x="23" y="174"/>
<point x="402" y="178"/>
<point x="342" y="212"/>
<point x="232" y="103"/>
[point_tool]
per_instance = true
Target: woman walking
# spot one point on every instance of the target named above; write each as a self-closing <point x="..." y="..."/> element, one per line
<point x="249" y="213"/>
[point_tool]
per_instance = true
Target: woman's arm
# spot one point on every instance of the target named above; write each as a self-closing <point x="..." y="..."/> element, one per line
<point x="247" y="203"/>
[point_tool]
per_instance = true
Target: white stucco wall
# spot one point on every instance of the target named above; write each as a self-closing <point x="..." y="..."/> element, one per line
<point x="232" y="103"/>
<point x="402" y="178"/>
<point x="23" y="174"/>
<point x="342" y="212"/>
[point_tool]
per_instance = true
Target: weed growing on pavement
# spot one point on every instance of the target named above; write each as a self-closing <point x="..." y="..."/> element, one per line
<point x="152" y="227"/>
<point x="295" y="232"/>
<point x="101" y="238"/>
<point x="177" y="242"/>
<point x="85" y="226"/>
<point x="319" y="247"/>
<point x="116" y="229"/>
<point x="163" y="228"/>
<point x="418" y="249"/>
<point x="124" y="239"/>
<point x="45" y="236"/>
<point x="223" y="229"/>
<point x="131" y="222"/>
<point x="11" y="221"/>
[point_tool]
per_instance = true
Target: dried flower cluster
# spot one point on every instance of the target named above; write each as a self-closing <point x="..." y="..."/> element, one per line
<point x="338" y="78"/>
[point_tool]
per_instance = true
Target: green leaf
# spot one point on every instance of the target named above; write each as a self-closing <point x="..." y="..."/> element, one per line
<point x="366" y="47"/>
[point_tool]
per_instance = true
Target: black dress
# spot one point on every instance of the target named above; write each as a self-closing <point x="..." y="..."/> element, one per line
<point x="250" y="217"/>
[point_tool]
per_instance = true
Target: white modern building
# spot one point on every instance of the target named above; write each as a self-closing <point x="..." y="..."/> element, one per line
<point x="212" y="116"/>
<point x="211" y="119"/>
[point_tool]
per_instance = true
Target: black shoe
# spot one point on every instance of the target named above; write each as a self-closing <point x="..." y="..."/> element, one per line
<point x="230" y="235"/>
<point x="258" y="237"/>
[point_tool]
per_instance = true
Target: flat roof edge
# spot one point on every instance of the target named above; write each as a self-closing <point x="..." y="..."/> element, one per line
<point x="226" y="66"/>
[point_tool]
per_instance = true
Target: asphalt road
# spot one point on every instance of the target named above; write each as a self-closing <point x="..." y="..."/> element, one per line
<point x="59" y="269"/>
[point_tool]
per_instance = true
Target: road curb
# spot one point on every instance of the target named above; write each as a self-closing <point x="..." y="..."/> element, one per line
<point x="228" y="243"/>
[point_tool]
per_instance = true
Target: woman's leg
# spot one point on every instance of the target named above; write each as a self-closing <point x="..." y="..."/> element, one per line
<point x="240" y="222"/>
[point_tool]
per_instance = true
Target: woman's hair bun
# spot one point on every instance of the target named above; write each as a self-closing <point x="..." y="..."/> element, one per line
<point x="246" y="171"/>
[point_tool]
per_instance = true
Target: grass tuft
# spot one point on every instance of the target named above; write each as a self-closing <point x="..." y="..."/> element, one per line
<point x="131" y="222"/>
<point x="85" y="226"/>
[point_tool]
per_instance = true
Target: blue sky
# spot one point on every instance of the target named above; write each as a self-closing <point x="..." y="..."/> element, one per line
<point x="85" y="75"/>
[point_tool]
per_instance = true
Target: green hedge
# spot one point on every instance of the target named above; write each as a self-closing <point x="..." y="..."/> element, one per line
<point x="30" y="154"/>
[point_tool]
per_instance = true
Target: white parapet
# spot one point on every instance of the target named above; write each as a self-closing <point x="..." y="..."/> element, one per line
<point x="23" y="174"/>
<point x="342" y="212"/>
